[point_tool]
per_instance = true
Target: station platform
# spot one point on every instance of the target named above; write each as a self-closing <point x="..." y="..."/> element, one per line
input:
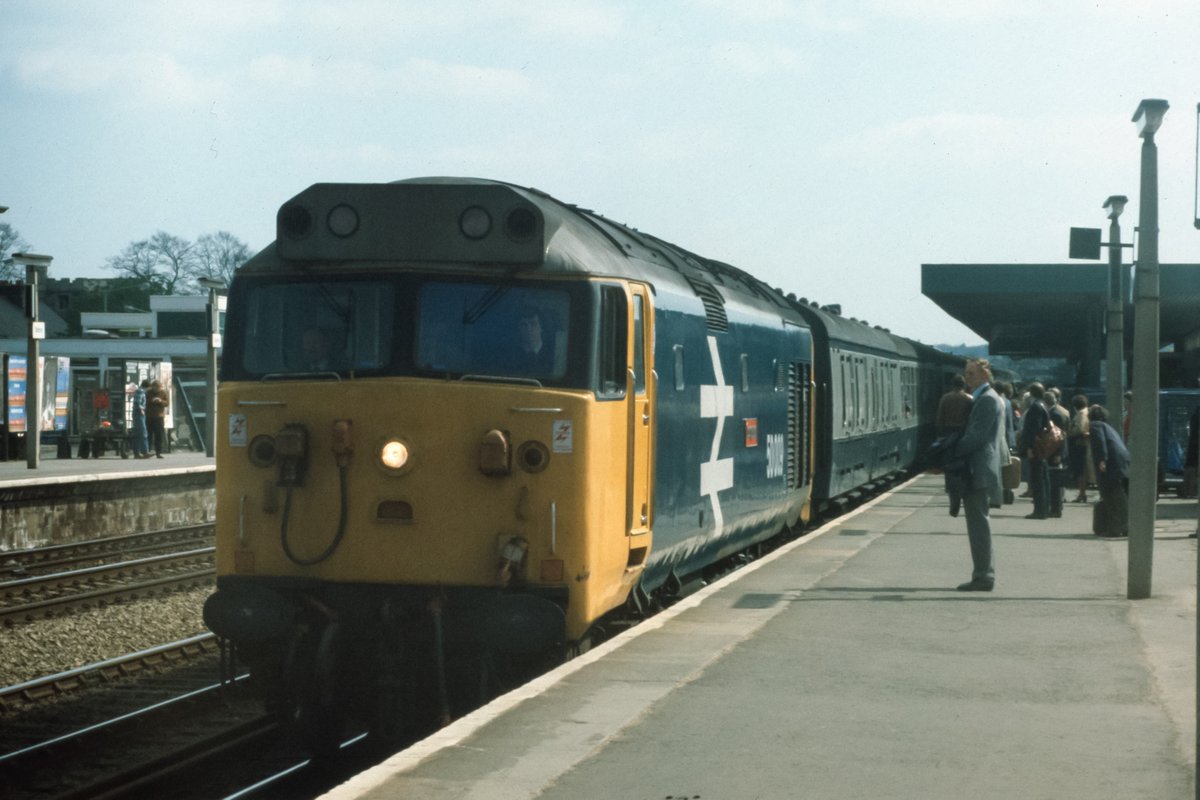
<point x="68" y="500"/>
<point x="846" y="665"/>
<point x="52" y="469"/>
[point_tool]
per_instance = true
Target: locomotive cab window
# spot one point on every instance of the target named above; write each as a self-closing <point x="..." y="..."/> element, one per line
<point x="610" y="355"/>
<point x="492" y="329"/>
<point x="348" y="327"/>
<point x="639" y="345"/>
<point x="318" y="328"/>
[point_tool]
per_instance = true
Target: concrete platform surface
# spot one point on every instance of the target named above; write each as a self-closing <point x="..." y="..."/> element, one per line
<point x="51" y="469"/>
<point x="845" y="665"/>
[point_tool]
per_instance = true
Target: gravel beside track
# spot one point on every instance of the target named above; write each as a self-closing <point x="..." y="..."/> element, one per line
<point x="53" y="645"/>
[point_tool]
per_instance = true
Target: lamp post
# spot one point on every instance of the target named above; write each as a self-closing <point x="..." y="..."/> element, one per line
<point x="33" y="264"/>
<point x="214" y="342"/>
<point x="1115" y="337"/>
<point x="1143" y="478"/>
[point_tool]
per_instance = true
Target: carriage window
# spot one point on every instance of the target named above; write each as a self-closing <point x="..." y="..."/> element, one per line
<point x="745" y="372"/>
<point x="318" y="327"/>
<point x="679" y="382"/>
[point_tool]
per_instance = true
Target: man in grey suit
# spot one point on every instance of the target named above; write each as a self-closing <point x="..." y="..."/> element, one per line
<point x="984" y="447"/>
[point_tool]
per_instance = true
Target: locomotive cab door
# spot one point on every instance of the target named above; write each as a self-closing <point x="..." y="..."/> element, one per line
<point x="641" y="384"/>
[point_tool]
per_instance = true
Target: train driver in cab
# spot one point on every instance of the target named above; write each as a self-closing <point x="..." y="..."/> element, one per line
<point x="534" y="353"/>
<point x="316" y="351"/>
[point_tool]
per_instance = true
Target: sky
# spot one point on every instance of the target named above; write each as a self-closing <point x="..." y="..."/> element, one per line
<point x="828" y="147"/>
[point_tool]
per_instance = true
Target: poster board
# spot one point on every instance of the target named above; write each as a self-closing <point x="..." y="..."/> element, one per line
<point x="14" y="393"/>
<point x="56" y="385"/>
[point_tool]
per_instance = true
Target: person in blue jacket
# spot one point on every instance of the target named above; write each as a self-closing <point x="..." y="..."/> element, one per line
<point x="1110" y="458"/>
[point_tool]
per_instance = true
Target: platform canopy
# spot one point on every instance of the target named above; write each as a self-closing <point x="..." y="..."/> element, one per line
<point x="1055" y="310"/>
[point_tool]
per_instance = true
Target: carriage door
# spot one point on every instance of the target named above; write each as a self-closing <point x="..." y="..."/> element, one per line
<point x="639" y="504"/>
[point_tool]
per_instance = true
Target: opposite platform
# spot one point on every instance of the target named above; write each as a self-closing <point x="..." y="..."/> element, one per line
<point x="62" y="470"/>
<point x="845" y="665"/>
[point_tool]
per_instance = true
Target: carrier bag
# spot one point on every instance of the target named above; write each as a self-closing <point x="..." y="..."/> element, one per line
<point x="1048" y="442"/>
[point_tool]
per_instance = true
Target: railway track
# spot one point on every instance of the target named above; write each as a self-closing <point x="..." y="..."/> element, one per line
<point x="104" y="742"/>
<point x="38" y="690"/>
<point x="156" y="723"/>
<point x="29" y="562"/>
<point x="27" y="599"/>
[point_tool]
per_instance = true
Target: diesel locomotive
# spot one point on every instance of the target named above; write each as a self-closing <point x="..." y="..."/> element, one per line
<point x="462" y="424"/>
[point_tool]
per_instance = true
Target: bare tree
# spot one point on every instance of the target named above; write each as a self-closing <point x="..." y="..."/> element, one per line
<point x="163" y="259"/>
<point x="175" y="259"/>
<point x="218" y="255"/>
<point x="139" y="261"/>
<point x="10" y="242"/>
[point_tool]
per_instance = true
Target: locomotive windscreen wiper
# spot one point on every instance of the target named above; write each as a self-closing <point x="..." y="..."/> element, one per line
<point x="485" y="303"/>
<point x="333" y="303"/>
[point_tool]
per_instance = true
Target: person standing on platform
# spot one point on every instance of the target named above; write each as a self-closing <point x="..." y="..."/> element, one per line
<point x="1059" y="463"/>
<point x="1111" y="460"/>
<point x="1036" y="418"/>
<point x="141" y="449"/>
<point x="952" y="411"/>
<point x="157" y="401"/>
<point x="1080" y="453"/>
<point x="1192" y="463"/>
<point x="1127" y="417"/>
<point x="984" y="448"/>
<point x="1005" y="390"/>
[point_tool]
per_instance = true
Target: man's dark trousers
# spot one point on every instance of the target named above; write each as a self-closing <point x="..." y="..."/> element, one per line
<point x="979" y="533"/>
<point x="1039" y="486"/>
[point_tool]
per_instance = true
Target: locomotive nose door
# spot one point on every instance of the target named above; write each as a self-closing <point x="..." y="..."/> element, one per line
<point x="640" y="500"/>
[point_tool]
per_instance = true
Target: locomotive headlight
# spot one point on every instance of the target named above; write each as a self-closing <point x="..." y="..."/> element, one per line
<point x="394" y="455"/>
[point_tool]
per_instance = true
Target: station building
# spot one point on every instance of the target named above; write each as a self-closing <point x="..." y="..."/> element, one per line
<point x="1058" y="311"/>
<point x="96" y="364"/>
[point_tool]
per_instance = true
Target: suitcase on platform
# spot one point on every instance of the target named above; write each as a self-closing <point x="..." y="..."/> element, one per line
<point x="1011" y="475"/>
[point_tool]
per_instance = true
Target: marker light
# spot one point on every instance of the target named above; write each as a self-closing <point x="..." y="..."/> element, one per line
<point x="393" y="455"/>
<point x="342" y="220"/>
<point x="295" y="220"/>
<point x="475" y="223"/>
<point x="520" y="224"/>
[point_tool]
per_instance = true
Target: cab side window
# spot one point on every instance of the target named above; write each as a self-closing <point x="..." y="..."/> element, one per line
<point x="611" y="355"/>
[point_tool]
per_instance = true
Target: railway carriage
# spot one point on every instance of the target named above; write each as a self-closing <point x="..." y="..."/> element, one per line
<point x="407" y="500"/>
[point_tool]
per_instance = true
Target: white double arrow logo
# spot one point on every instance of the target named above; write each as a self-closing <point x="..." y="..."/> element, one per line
<point x="716" y="473"/>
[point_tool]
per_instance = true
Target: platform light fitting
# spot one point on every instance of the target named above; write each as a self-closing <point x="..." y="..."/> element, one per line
<point x="1115" y="205"/>
<point x="1149" y="116"/>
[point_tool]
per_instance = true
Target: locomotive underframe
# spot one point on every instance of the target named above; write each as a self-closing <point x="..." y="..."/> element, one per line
<point x="395" y="658"/>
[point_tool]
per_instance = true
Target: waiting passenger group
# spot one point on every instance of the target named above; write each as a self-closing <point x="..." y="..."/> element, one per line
<point x="150" y="401"/>
<point x="981" y="428"/>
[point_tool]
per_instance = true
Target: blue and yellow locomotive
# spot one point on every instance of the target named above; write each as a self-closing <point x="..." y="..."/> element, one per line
<point x="463" y="423"/>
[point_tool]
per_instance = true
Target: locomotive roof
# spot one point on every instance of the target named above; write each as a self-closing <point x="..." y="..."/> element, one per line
<point x="572" y="239"/>
<point x="420" y="220"/>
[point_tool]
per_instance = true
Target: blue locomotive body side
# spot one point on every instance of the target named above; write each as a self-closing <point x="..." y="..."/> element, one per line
<point x="724" y="433"/>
